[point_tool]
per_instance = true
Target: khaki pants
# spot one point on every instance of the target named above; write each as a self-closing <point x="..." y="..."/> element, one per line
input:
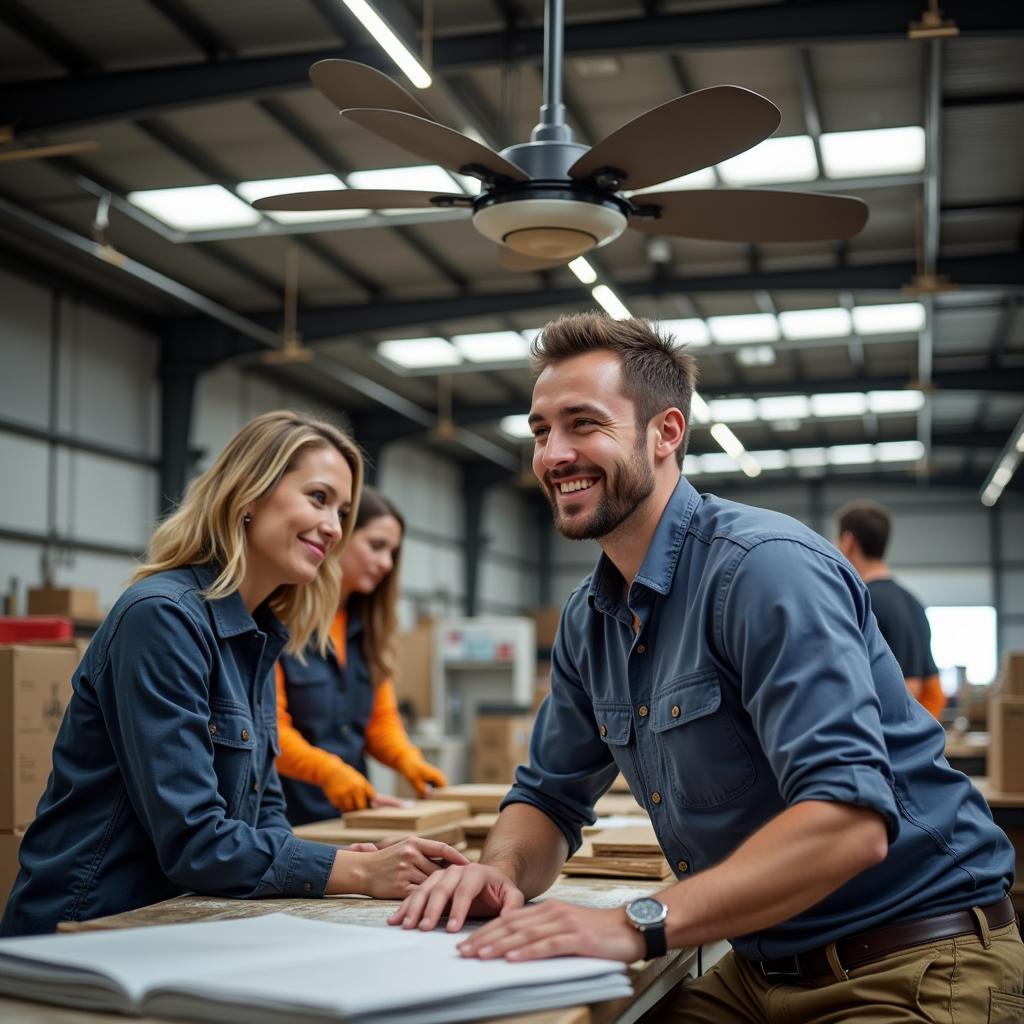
<point x="970" y="979"/>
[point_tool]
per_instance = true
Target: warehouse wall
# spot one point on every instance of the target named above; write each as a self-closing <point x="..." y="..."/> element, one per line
<point x="87" y="375"/>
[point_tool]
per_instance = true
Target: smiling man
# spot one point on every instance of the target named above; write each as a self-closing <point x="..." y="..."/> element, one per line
<point x="726" y="661"/>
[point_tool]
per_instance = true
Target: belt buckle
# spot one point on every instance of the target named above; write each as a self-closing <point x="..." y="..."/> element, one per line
<point x="775" y="971"/>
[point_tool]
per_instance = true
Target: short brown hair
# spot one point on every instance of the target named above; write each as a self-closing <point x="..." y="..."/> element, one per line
<point x="870" y="524"/>
<point x="655" y="374"/>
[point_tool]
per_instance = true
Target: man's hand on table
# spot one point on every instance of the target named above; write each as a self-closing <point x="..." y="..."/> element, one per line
<point x="470" y="890"/>
<point x="554" y="928"/>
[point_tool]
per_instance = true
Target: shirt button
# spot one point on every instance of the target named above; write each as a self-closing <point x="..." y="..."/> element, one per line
<point x="255" y="787"/>
<point x="642" y="711"/>
<point x="656" y="797"/>
<point x="683" y="867"/>
<point x="245" y="734"/>
<point x="675" y="710"/>
<point x="213" y="729"/>
<point x="640" y="648"/>
<point x="604" y="730"/>
<point x="306" y="887"/>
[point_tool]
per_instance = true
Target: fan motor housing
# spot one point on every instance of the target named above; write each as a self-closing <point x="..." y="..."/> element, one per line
<point x="550" y="222"/>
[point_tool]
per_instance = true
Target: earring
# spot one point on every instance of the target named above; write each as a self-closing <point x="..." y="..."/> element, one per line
<point x="246" y="519"/>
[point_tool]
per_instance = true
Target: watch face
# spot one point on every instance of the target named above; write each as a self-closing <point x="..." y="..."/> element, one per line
<point x="646" y="911"/>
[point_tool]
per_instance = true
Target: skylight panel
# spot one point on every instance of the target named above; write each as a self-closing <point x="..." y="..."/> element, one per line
<point x="756" y="355"/>
<point x="253" y="190"/>
<point x="517" y="427"/>
<point x="899" y="451"/>
<point x="734" y="410"/>
<point x="884" y="402"/>
<point x="807" y="458"/>
<point x="851" y="454"/>
<point x="783" y="407"/>
<point x="699" y="410"/>
<point x="891" y="318"/>
<point x="774" y="458"/>
<point x="815" y="323"/>
<point x="718" y="462"/>
<point x="692" y="331"/>
<point x="747" y="327"/>
<point x="420" y="178"/>
<point x="774" y="160"/>
<point x="852" y="403"/>
<point x="704" y="178"/>
<point x="691" y="465"/>
<point x="195" y="207"/>
<point x="492" y="347"/>
<point x="419" y="353"/>
<point x="873" y="152"/>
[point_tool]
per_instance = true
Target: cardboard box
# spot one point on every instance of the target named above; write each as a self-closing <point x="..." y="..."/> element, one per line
<point x="9" y="845"/>
<point x="1006" y="743"/>
<point x="1011" y="675"/>
<point x="495" y="767"/>
<point x="74" y="602"/>
<point x="35" y="687"/>
<point x="546" y="622"/>
<point x="503" y="735"/>
<point x="414" y="670"/>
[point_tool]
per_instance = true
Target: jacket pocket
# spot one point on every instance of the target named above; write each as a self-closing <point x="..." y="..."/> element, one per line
<point x="700" y="752"/>
<point x="233" y="735"/>
<point x="614" y="722"/>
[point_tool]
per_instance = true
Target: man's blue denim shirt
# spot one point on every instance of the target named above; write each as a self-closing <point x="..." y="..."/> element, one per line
<point x="163" y="770"/>
<point x="758" y="679"/>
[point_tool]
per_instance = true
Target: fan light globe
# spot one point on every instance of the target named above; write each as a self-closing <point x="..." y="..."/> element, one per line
<point x="550" y="228"/>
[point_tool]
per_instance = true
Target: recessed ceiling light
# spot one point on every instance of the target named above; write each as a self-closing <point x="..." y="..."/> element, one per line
<point x="851" y="454"/>
<point x="756" y="355"/>
<point x="884" y="402"/>
<point x="774" y="160"/>
<point x="747" y="327"/>
<point x="253" y="190"/>
<point x="815" y="323"/>
<point x="492" y="346"/>
<point x="852" y="403"/>
<point x="899" y="451"/>
<point x="517" y="427"/>
<point x="704" y="178"/>
<point x="419" y="353"/>
<point x="783" y="407"/>
<point x="691" y="465"/>
<point x="692" y="331"/>
<point x="774" y="458"/>
<point x="872" y="152"/>
<point x="733" y="410"/>
<point x="420" y="178"/>
<point x="195" y="207"/>
<point x="807" y="458"/>
<point x="892" y="318"/>
<point x="718" y="462"/>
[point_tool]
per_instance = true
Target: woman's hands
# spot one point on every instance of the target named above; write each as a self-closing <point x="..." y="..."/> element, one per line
<point x="390" y="870"/>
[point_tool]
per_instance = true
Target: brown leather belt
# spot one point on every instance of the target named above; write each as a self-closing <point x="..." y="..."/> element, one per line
<point x="866" y="947"/>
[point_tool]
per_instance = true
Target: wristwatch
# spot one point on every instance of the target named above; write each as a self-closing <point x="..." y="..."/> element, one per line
<point x="648" y="915"/>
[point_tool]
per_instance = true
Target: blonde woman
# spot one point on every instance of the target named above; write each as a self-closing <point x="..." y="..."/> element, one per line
<point x="163" y="770"/>
<point x="334" y="708"/>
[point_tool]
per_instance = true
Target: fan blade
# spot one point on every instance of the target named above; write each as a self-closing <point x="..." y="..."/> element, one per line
<point x="348" y="84"/>
<point x="683" y="135"/>
<point x="509" y="259"/>
<point x="57" y="149"/>
<point x="751" y="215"/>
<point x="361" y="199"/>
<point x="434" y="143"/>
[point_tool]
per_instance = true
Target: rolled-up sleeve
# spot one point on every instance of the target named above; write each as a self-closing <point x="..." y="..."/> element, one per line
<point x="153" y="689"/>
<point x="790" y="621"/>
<point x="570" y="765"/>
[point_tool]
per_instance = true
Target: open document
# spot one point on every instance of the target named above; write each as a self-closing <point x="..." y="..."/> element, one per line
<point x="282" y="967"/>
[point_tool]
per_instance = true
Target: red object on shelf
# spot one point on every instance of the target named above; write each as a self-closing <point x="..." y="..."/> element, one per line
<point x="28" y="629"/>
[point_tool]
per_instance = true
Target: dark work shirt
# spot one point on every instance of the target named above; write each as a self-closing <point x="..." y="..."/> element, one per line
<point x="163" y="769"/>
<point x="758" y="679"/>
<point x="903" y="623"/>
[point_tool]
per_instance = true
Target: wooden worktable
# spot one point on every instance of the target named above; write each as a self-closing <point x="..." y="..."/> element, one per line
<point x="651" y="981"/>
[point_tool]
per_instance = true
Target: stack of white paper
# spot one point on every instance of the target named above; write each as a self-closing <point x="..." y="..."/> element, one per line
<point x="260" y="969"/>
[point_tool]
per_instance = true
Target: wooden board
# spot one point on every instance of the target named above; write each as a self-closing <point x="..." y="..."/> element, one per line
<point x="619" y="784"/>
<point x="335" y="833"/>
<point x="482" y="797"/>
<point x="586" y="862"/>
<point x="416" y="817"/>
<point x="627" y="842"/>
<point x="618" y="803"/>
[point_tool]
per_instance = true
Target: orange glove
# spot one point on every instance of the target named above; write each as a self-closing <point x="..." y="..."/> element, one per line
<point x="420" y="774"/>
<point x="348" y="789"/>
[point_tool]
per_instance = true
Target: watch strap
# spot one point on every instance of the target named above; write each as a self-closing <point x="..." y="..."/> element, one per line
<point x="654" y="939"/>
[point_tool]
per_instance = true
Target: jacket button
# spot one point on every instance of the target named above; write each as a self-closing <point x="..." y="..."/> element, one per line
<point x="683" y="867"/>
<point x="213" y="729"/>
<point x="640" y="649"/>
<point x="656" y="797"/>
<point x="642" y="710"/>
<point x="245" y="734"/>
<point x="675" y="710"/>
<point x="306" y="887"/>
<point x="604" y="730"/>
<point x="255" y="787"/>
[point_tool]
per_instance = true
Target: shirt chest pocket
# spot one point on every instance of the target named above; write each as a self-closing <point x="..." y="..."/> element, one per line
<point x="234" y="744"/>
<point x="700" y="751"/>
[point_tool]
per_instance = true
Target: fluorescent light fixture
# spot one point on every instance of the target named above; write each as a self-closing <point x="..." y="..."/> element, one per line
<point x="583" y="270"/>
<point x="892" y="318"/>
<point x="749" y="465"/>
<point x="774" y="458"/>
<point x="787" y="159"/>
<point x="691" y="465"/>
<point x="418" y="178"/>
<point x="783" y="407"/>
<point x="815" y="323"/>
<point x="704" y="178"/>
<point x="719" y="462"/>
<point x="851" y="403"/>
<point x="873" y="152"/>
<point x="899" y="451"/>
<point x="419" y="353"/>
<point x="734" y="410"/>
<point x="492" y="347"/>
<point x="610" y="302"/>
<point x="195" y="207"/>
<point x="807" y="458"/>
<point x="692" y="331"/>
<point x="517" y="427"/>
<point x="756" y="355"/>
<point x="699" y="410"/>
<point x="1020" y="443"/>
<point x="1002" y="476"/>
<point x="253" y="190"/>
<point x="1009" y="459"/>
<point x="747" y="327"/>
<point x="727" y="439"/>
<point x="885" y="402"/>
<point x="851" y="454"/>
<point x="389" y="42"/>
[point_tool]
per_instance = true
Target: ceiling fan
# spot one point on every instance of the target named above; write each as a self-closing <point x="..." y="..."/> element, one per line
<point x="8" y="154"/>
<point x="549" y="200"/>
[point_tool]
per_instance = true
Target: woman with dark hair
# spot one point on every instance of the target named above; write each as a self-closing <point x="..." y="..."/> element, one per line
<point x="334" y="708"/>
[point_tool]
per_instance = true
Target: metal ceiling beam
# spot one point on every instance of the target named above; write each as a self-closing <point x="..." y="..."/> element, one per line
<point x="37" y="31"/>
<point x="83" y="99"/>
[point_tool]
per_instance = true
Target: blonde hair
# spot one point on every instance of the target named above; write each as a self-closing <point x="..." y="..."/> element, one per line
<point x="378" y="610"/>
<point x="207" y="526"/>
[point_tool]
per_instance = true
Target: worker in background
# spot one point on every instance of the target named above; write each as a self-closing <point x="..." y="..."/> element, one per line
<point x="163" y="775"/>
<point x="725" y="659"/>
<point x="335" y="707"/>
<point x="864" y="528"/>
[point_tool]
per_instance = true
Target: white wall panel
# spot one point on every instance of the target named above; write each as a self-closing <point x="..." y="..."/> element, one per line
<point x="114" y="502"/>
<point x="23" y="493"/>
<point x="25" y="312"/>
